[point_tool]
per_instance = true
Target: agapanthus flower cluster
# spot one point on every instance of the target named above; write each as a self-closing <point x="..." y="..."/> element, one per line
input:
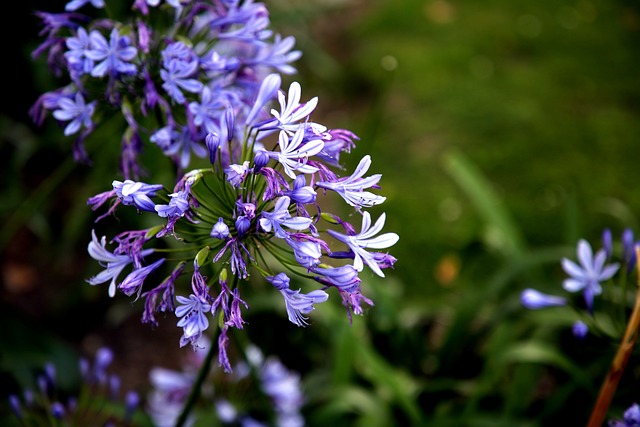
<point x="172" y="72"/>
<point x="588" y="276"/>
<point x="275" y="396"/>
<point x="99" y="402"/>
<point x="258" y="211"/>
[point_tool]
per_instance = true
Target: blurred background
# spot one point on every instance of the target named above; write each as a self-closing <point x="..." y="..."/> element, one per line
<point x="504" y="131"/>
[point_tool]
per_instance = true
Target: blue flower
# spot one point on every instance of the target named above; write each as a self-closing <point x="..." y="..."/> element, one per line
<point x="177" y="206"/>
<point x="77" y="4"/>
<point x="296" y="303"/>
<point x="136" y="193"/>
<point x="580" y="329"/>
<point x="587" y="276"/>
<point x="533" y="300"/>
<point x="75" y="111"/>
<point x="114" y="56"/>
<point x="291" y="111"/>
<point x="114" y="263"/>
<point x="193" y="319"/>
<point x="351" y="188"/>
<point x="365" y="240"/>
<point x="134" y="281"/>
<point x="295" y="152"/>
<point x="220" y="230"/>
<point x="281" y="217"/>
<point x="76" y="56"/>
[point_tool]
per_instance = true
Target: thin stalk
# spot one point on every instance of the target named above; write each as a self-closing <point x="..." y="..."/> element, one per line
<point x="610" y="384"/>
<point x="197" y="386"/>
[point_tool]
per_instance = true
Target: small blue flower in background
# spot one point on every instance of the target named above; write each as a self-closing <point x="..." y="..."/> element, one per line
<point x="75" y="111"/>
<point x="98" y="397"/>
<point x="631" y="418"/>
<point x="587" y="276"/>
<point x="580" y="329"/>
<point x="533" y="300"/>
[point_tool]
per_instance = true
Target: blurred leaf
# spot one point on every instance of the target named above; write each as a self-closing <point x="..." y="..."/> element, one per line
<point x="503" y="233"/>
<point x="543" y="353"/>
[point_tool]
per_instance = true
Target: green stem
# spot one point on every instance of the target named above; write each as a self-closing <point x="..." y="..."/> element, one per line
<point x="197" y="386"/>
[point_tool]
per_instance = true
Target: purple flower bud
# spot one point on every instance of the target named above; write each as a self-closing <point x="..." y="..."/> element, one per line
<point x="14" y="403"/>
<point x="132" y="400"/>
<point x="57" y="410"/>
<point x="580" y="329"/>
<point x="301" y="193"/>
<point x="533" y="300"/>
<point x="260" y="160"/>
<point x="229" y="121"/>
<point x="114" y="386"/>
<point x="628" y="249"/>
<point x="242" y="225"/>
<point x="220" y="230"/>
<point x="212" y="141"/>
<point x="103" y="358"/>
<point x="280" y="281"/>
<point x="607" y="242"/>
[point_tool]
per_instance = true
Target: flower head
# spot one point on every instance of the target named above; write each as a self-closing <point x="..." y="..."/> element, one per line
<point x="587" y="276"/>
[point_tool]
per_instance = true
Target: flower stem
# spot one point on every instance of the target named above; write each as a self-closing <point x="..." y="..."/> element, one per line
<point x="619" y="362"/>
<point x="197" y="386"/>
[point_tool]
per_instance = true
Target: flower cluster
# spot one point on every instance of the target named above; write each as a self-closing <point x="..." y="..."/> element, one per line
<point x="256" y="206"/>
<point x="587" y="276"/>
<point x="172" y="72"/>
<point x="268" y="379"/>
<point x="98" y="403"/>
<point x="255" y="209"/>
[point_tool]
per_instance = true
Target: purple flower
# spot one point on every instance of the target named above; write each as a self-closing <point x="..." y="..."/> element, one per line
<point x="76" y="56"/>
<point x="278" y="55"/>
<point x="236" y="174"/>
<point x="284" y="388"/>
<point x="114" y="263"/>
<point x="193" y="318"/>
<point x="291" y="111"/>
<point x="281" y="217"/>
<point x="351" y="188"/>
<point x="207" y="112"/>
<point x="365" y="240"/>
<point x="76" y="112"/>
<point x="301" y="192"/>
<point x="294" y="153"/>
<point x="296" y="303"/>
<point x="335" y="142"/>
<point x="344" y="278"/>
<point x="220" y="230"/>
<point x="587" y="276"/>
<point x="306" y="253"/>
<point x="114" y="56"/>
<point x="134" y="280"/>
<point x="580" y="329"/>
<point x="180" y="67"/>
<point x="628" y="250"/>
<point x="266" y="93"/>
<point x="137" y="194"/>
<point x="77" y="4"/>
<point x="631" y="418"/>
<point x="178" y="205"/>
<point x="533" y="300"/>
